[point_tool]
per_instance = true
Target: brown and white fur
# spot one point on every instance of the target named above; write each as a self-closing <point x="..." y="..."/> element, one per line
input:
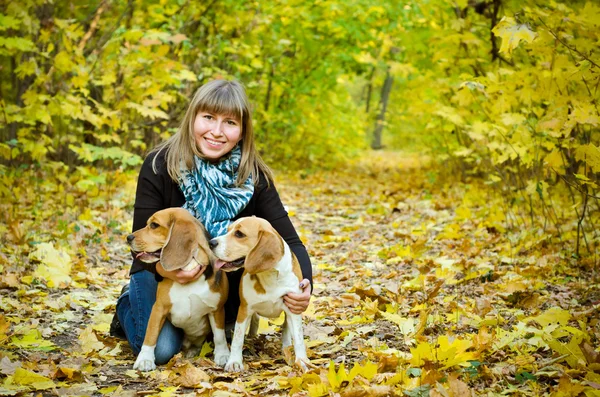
<point x="271" y="271"/>
<point x="178" y="240"/>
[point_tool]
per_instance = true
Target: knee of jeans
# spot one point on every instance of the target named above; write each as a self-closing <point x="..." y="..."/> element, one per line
<point x="168" y="344"/>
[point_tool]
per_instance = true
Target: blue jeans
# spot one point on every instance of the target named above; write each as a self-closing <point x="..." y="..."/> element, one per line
<point x="133" y="310"/>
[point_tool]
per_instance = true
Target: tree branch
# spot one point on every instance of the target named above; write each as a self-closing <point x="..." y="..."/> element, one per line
<point x="574" y="49"/>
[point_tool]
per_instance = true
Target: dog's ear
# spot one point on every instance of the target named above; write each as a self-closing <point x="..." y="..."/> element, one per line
<point x="180" y="246"/>
<point x="203" y="254"/>
<point x="267" y="252"/>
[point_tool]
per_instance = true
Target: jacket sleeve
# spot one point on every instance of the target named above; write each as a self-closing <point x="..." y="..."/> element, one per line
<point x="150" y="194"/>
<point x="149" y="198"/>
<point x="270" y="207"/>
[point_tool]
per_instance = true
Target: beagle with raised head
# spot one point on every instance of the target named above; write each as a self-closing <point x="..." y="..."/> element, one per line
<point x="178" y="240"/>
<point x="271" y="271"/>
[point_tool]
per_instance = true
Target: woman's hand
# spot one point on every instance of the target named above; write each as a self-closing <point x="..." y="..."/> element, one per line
<point x="298" y="303"/>
<point x="180" y="276"/>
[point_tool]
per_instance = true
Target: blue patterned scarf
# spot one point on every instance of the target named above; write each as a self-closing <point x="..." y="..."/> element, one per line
<point x="211" y="195"/>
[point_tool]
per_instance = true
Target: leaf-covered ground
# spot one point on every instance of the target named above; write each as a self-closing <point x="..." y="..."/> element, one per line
<point x="420" y="289"/>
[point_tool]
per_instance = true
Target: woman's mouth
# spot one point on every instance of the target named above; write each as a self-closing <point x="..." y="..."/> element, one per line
<point x="213" y="143"/>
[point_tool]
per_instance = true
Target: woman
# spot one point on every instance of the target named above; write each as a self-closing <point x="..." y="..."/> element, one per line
<point x="210" y="166"/>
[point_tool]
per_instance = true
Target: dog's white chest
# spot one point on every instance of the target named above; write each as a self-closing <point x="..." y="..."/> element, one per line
<point x="269" y="302"/>
<point x="192" y="302"/>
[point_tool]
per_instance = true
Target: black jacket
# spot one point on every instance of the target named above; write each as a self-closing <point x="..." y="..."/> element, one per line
<point x="157" y="191"/>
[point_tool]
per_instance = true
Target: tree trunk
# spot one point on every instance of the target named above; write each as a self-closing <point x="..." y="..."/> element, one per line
<point x="383" y="101"/>
<point x="370" y="90"/>
<point x="494" y="22"/>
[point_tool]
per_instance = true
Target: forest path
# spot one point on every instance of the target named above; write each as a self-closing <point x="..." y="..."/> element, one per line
<point x="416" y="285"/>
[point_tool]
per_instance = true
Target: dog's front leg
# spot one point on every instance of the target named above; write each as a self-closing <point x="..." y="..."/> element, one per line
<point x="217" y="323"/>
<point x="235" y="362"/>
<point x="294" y="326"/>
<point x="145" y="360"/>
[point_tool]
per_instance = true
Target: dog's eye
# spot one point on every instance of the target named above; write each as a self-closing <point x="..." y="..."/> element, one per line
<point x="153" y="225"/>
<point x="239" y="234"/>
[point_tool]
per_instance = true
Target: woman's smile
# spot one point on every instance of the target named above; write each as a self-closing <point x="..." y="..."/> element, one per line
<point x="216" y="134"/>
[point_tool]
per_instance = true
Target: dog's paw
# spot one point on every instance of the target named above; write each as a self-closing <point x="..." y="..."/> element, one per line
<point x="191" y="352"/>
<point x="234" y="366"/>
<point x="221" y="358"/>
<point x="303" y="364"/>
<point x="145" y="360"/>
<point x="144" y="365"/>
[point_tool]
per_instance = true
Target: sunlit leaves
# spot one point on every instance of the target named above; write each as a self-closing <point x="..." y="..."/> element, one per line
<point x="512" y="34"/>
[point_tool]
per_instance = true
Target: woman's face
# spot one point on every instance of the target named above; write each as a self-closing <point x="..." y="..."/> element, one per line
<point x="216" y="134"/>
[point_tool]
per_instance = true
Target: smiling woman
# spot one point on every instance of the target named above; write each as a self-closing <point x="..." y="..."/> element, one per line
<point x="211" y="168"/>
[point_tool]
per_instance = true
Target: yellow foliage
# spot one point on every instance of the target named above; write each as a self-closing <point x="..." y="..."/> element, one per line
<point x="55" y="265"/>
<point x="512" y="34"/>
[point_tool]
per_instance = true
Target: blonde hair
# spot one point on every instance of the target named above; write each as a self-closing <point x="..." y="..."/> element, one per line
<point x="222" y="97"/>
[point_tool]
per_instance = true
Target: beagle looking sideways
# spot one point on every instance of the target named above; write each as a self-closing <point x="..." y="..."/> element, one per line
<point x="178" y="240"/>
<point x="271" y="271"/>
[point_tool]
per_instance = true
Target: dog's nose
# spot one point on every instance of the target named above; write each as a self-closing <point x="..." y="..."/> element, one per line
<point x="130" y="238"/>
<point x="213" y="243"/>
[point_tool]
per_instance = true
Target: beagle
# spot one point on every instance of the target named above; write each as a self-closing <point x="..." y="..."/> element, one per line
<point x="178" y="240"/>
<point x="271" y="271"/>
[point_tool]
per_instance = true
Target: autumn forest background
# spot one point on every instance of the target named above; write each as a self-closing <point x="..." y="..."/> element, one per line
<point x="439" y="158"/>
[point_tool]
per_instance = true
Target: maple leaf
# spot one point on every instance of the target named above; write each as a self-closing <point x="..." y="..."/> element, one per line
<point x="89" y="342"/>
<point x="512" y="34"/>
<point x="447" y="353"/>
<point x="33" y="340"/>
<point x="190" y="376"/>
<point x="55" y="267"/>
<point x="31" y="379"/>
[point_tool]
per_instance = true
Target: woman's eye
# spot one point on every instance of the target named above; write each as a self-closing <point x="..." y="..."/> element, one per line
<point x="231" y="122"/>
<point x="239" y="234"/>
<point x="153" y="225"/>
<point x="208" y="117"/>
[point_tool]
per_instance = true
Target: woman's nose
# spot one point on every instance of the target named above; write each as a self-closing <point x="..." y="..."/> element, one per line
<point x="219" y="127"/>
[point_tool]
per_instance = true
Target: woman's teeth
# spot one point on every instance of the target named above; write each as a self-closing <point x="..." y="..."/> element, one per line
<point x="214" y="143"/>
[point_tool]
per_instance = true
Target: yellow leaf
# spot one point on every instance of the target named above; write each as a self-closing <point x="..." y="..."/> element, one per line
<point x="63" y="62"/>
<point x="574" y="356"/>
<point x="336" y="378"/>
<point x="206" y="349"/>
<point x="445" y="352"/>
<point x="169" y="391"/>
<point x="511" y="34"/>
<point x="4" y="327"/>
<point x="55" y="265"/>
<point x="109" y="390"/>
<point x="33" y="340"/>
<point x="554" y="315"/>
<point x="590" y="154"/>
<point x="585" y="114"/>
<point x="368" y="371"/>
<point x="132" y="373"/>
<point x="191" y="376"/>
<point x="89" y="342"/>
<point x="455" y="352"/>
<point x="406" y="325"/>
<point x="317" y="390"/>
<point x="555" y="161"/>
<point x="28" y="378"/>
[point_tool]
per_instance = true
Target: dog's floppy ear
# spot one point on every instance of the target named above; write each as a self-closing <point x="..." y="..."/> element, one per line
<point x="180" y="246"/>
<point x="203" y="254"/>
<point x="265" y="254"/>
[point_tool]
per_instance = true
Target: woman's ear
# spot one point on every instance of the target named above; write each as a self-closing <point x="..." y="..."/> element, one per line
<point x="180" y="246"/>
<point x="265" y="255"/>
